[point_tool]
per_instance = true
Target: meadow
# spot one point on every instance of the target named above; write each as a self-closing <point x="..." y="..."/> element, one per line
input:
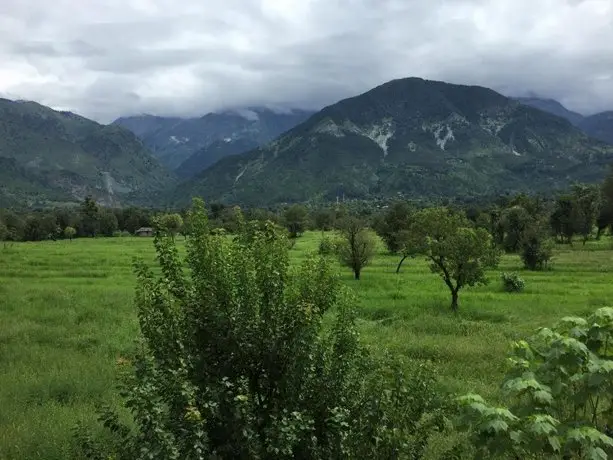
<point x="66" y="317"/>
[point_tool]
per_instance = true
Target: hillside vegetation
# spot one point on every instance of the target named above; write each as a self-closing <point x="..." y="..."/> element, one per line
<point x="51" y="157"/>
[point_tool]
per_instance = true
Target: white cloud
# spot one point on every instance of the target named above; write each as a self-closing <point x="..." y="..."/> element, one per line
<point x="105" y="58"/>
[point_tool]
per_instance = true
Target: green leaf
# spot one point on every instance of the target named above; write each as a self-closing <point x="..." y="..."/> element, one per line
<point x="496" y="426"/>
<point x="596" y="453"/>
<point x="554" y="442"/>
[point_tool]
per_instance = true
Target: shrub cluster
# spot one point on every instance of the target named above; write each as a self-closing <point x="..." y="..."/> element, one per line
<point x="511" y="282"/>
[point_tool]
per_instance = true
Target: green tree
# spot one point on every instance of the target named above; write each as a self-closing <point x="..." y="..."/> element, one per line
<point x="70" y="233"/>
<point x="587" y="201"/>
<point x="456" y="251"/>
<point x="562" y="219"/>
<point x="324" y="219"/>
<point x="173" y="223"/>
<point x="39" y="227"/>
<point x="14" y="224"/>
<point x="394" y="225"/>
<point x="295" y="218"/>
<point x="560" y="395"/>
<point x="356" y="246"/>
<point x="536" y="249"/>
<point x="90" y="224"/>
<point x="107" y="222"/>
<point x="236" y="363"/>
<point x="605" y="218"/>
<point x="514" y="220"/>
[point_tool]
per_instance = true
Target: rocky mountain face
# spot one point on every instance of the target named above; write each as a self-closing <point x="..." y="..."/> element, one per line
<point x="173" y="141"/>
<point x="50" y="157"/>
<point x="413" y="138"/>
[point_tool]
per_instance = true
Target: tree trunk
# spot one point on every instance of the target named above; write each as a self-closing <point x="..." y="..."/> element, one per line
<point x="454" y="300"/>
<point x="400" y="264"/>
<point x="356" y="273"/>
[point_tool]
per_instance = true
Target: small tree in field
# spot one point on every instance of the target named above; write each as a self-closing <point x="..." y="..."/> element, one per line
<point x="296" y="219"/>
<point x="587" y="201"/>
<point x="173" y="223"/>
<point x="536" y="249"/>
<point x="69" y="233"/>
<point x="456" y="251"/>
<point x="560" y="393"/>
<point x="323" y="219"/>
<point x="235" y="361"/>
<point x="357" y="245"/>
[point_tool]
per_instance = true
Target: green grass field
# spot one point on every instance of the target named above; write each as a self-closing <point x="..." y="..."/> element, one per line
<point x="66" y="315"/>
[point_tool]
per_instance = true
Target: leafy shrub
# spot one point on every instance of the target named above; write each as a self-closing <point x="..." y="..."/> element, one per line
<point x="125" y="233"/>
<point x="117" y="234"/>
<point x="327" y="246"/>
<point x="237" y="361"/>
<point x="511" y="282"/>
<point x="561" y="394"/>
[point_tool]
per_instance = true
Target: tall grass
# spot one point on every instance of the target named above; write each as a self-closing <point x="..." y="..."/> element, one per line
<point x="66" y="316"/>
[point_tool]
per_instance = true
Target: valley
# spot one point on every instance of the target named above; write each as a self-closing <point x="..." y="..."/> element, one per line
<point x="342" y="283"/>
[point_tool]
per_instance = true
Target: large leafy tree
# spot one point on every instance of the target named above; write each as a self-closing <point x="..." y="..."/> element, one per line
<point x="560" y="396"/>
<point x="458" y="252"/>
<point x="237" y="362"/>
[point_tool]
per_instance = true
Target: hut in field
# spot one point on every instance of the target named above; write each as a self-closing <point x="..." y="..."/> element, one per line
<point x="144" y="231"/>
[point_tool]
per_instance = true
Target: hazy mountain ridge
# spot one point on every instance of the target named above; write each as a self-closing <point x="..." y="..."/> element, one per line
<point x="61" y="157"/>
<point x="173" y="141"/>
<point x="598" y="126"/>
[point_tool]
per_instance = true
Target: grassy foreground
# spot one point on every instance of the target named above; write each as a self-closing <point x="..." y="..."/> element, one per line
<point x="66" y="315"/>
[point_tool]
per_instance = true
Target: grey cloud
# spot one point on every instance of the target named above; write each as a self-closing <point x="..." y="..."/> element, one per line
<point x="118" y="57"/>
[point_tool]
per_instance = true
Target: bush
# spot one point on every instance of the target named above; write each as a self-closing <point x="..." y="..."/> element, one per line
<point x="117" y="234"/>
<point x="327" y="246"/>
<point x="559" y="396"/>
<point x="237" y="362"/>
<point x="511" y="282"/>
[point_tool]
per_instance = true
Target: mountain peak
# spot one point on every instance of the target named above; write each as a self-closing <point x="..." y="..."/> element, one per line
<point x="413" y="137"/>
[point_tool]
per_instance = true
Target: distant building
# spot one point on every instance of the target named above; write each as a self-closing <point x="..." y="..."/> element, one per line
<point x="144" y="231"/>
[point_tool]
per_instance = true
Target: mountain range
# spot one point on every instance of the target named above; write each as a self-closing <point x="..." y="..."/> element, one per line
<point x="50" y="157"/>
<point x="409" y="137"/>
<point x="192" y="144"/>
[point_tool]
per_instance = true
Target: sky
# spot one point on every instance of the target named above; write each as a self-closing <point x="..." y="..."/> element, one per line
<point x="109" y="58"/>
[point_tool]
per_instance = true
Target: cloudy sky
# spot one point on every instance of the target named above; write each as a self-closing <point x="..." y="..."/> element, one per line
<point x="106" y="58"/>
